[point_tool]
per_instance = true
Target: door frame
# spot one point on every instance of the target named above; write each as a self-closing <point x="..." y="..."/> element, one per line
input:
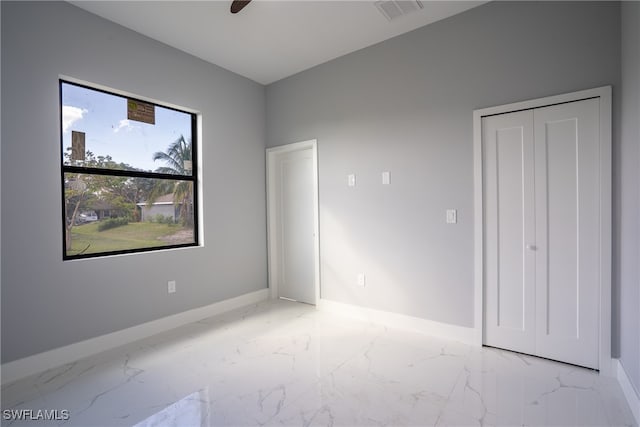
<point x="604" y="93"/>
<point x="273" y="238"/>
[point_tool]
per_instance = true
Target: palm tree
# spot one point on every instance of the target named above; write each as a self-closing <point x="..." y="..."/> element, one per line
<point x="177" y="161"/>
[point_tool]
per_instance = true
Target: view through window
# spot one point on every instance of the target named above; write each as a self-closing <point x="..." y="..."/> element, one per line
<point x="129" y="174"/>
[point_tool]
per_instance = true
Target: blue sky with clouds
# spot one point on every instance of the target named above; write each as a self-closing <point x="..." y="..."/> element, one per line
<point x="103" y="118"/>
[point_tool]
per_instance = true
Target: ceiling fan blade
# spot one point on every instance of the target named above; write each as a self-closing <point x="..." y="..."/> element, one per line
<point x="238" y="5"/>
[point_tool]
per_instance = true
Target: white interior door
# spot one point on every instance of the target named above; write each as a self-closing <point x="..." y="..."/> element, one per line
<point x="567" y="231"/>
<point x="509" y="227"/>
<point x="295" y="225"/>
<point x="542" y="248"/>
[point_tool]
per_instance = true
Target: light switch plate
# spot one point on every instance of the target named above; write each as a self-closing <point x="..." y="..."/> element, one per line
<point x="351" y="180"/>
<point x="452" y="216"/>
<point x="385" y="178"/>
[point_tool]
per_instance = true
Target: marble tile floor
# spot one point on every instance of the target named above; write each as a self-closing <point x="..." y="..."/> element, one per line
<point x="286" y="364"/>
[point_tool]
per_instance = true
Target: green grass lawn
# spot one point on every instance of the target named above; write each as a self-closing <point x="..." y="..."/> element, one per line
<point x="86" y="238"/>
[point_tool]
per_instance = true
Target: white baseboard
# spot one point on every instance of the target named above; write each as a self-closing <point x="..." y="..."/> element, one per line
<point x="401" y="321"/>
<point x="630" y="393"/>
<point x="40" y="362"/>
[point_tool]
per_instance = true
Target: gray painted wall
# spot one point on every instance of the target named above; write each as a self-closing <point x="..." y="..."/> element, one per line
<point x="629" y="259"/>
<point x="405" y="106"/>
<point x="47" y="303"/>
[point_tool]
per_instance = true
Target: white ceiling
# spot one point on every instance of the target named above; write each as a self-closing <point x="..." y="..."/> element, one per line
<point x="268" y="40"/>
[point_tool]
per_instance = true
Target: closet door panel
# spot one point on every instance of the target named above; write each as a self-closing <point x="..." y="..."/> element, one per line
<point x="509" y="225"/>
<point x="567" y="228"/>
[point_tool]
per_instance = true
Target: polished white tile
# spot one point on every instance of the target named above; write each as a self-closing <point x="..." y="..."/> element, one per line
<point x="283" y="363"/>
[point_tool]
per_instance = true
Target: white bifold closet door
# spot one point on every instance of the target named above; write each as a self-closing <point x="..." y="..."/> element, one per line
<point x="541" y="256"/>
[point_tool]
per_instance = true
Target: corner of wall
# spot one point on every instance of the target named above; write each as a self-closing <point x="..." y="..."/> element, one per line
<point x="630" y="393"/>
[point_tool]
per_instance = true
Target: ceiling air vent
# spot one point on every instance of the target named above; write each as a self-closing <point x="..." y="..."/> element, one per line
<point x="392" y="9"/>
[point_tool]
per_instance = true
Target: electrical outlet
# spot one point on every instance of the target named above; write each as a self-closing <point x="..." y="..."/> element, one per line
<point x="171" y="286"/>
<point x="361" y="281"/>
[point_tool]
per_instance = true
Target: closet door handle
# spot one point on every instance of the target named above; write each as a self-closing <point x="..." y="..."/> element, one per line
<point x="531" y="247"/>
